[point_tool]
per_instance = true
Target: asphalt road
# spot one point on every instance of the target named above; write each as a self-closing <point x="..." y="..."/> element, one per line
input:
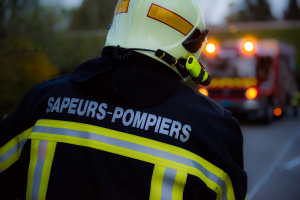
<point x="272" y="159"/>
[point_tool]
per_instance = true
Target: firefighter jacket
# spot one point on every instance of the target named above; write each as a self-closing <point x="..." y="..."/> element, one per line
<point x="115" y="131"/>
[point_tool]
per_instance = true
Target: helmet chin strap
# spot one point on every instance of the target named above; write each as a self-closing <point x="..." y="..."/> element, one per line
<point x="186" y="67"/>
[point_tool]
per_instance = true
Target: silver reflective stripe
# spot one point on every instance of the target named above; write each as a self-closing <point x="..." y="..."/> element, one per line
<point x="12" y="151"/>
<point x="39" y="169"/>
<point x="168" y="184"/>
<point x="134" y="147"/>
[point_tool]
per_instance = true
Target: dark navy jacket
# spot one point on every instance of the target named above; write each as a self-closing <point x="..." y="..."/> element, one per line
<point x="158" y="108"/>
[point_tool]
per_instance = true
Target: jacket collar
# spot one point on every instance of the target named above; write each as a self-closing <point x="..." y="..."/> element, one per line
<point x="141" y="82"/>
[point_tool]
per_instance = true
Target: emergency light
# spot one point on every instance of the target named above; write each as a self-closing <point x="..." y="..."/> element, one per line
<point x="211" y="48"/>
<point x="203" y="91"/>
<point x="249" y="46"/>
<point x="277" y="112"/>
<point x="251" y="93"/>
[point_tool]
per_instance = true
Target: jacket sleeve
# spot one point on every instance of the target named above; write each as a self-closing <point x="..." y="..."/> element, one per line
<point x="14" y="133"/>
<point x="16" y="128"/>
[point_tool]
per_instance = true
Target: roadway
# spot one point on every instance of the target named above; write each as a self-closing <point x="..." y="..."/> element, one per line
<point x="272" y="159"/>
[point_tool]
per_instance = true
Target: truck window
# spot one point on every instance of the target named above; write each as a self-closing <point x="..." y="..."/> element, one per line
<point x="263" y="66"/>
<point x="234" y="67"/>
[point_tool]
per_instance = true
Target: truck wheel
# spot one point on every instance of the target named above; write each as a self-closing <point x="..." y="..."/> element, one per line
<point x="269" y="114"/>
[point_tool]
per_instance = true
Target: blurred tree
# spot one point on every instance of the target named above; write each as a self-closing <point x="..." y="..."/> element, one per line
<point x="293" y="12"/>
<point x="93" y="14"/>
<point x="258" y="11"/>
<point x="21" y="68"/>
<point x="25" y="28"/>
<point x="15" y="16"/>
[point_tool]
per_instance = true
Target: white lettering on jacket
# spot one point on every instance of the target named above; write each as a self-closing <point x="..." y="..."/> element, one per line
<point x="129" y="117"/>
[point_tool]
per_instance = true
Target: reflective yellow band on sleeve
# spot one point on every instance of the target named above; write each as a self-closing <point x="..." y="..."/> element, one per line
<point x="1" y="167"/>
<point x="41" y="158"/>
<point x="136" y="147"/>
<point x="170" y="18"/>
<point x="122" y="7"/>
<point x="11" y="152"/>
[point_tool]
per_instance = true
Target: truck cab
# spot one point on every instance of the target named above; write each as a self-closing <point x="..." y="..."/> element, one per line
<point x="251" y="78"/>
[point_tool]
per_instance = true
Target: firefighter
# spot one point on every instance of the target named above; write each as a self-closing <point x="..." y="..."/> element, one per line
<point x="124" y="126"/>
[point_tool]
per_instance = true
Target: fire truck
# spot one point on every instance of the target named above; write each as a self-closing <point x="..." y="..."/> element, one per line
<point x="252" y="78"/>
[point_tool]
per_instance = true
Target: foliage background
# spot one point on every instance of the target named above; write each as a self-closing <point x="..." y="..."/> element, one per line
<point x="39" y="42"/>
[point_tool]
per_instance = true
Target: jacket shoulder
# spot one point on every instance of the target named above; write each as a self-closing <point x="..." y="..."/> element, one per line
<point x="55" y="80"/>
<point x="217" y="107"/>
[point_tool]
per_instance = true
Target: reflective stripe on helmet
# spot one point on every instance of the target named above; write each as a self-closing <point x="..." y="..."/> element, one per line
<point x="170" y="18"/>
<point x="137" y="148"/>
<point x="122" y="7"/>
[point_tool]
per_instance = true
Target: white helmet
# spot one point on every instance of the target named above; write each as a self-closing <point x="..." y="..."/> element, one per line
<point x="176" y="27"/>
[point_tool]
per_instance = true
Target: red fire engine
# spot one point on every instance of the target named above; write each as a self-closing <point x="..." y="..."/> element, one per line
<point x="252" y="78"/>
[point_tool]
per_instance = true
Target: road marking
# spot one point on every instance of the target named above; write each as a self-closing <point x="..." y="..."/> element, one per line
<point x="292" y="164"/>
<point x="274" y="166"/>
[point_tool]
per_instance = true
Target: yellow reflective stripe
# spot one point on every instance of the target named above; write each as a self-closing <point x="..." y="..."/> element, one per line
<point x="167" y="184"/>
<point x="210" y="180"/>
<point x="179" y="185"/>
<point x="122" y="7"/>
<point x="41" y="158"/>
<point x="33" y="160"/>
<point x="170" y="18"/>
<point x="2" y="167"/>
<point x="156" y="182"/>
<point x="11" y="151"/>
<point x="229" y="187"/>
<point x="46" y="170"/>
<point x="9" y="162"/>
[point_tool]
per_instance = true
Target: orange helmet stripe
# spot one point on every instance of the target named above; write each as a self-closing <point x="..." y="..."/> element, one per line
<point x="170" y="18"/>
<point x="122" y="7"/>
